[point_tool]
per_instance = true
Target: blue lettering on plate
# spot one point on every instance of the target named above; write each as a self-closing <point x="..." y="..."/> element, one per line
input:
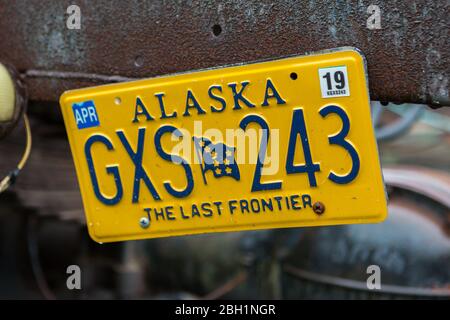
<point x="85" y="114"/>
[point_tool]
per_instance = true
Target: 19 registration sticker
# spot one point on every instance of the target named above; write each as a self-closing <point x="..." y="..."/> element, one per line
<point x="274" y="144"/>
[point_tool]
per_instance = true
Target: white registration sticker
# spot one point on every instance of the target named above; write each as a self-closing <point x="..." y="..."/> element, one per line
<point x="334" y="82"/>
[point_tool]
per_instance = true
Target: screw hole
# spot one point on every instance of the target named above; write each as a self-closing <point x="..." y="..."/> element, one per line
<point x="117" y="100"/>
<point x="293" y="75"/>
<point x="216" y="30"/>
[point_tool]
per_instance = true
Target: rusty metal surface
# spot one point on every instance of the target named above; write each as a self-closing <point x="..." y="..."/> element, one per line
<point x="408" y="59"/>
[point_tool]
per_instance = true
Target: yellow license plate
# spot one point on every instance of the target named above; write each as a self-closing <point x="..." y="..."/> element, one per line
<point x="275" y="144"/>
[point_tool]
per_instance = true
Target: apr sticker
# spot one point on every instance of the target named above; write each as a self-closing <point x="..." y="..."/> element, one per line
<point x="85" y="114"/>
<point x="334" y="82"/>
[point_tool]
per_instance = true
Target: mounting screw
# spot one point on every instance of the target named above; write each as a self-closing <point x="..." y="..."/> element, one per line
<point x="318" y="208"/>
<point x="144" y="223"/>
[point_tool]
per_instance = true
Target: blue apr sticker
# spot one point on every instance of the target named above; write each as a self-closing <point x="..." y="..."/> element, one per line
<point x="85" y="114"/>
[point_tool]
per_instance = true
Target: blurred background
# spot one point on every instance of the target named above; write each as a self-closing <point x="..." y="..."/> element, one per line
<point x="42" y="231"/>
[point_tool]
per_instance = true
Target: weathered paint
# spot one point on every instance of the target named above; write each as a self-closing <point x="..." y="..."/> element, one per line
<point x="408" y="58"/>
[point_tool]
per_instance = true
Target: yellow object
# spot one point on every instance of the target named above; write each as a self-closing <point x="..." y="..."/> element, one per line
<point x="7" y="95"/>
<point x="321" y="166"/>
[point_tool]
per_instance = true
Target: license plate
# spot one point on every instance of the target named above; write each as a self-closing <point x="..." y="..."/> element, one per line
<point x="274" y="144"/>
